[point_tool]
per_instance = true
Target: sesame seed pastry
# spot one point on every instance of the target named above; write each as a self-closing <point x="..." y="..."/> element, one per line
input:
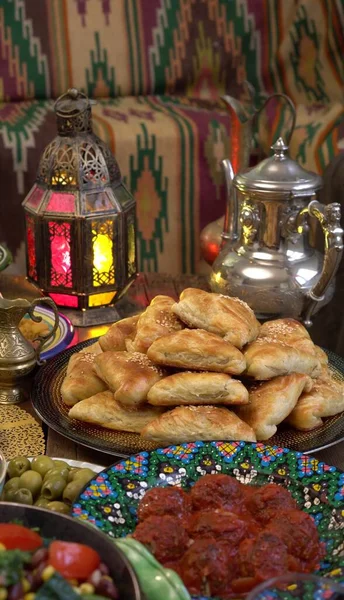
<point x="228" y="317"/>
<point x="197" y="388"/>
<point x="192" y="423"/>
<point x="103" y="410"/>
<point x="197" y="349"/>
<point x="130" y="375"/>
<point x="155" y="322"/>
<point x="81" y="381"/>
<point x="272" y="401"/>
<point x="115" y="338"/>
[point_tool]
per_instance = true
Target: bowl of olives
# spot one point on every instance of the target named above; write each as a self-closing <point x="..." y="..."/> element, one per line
<point x="44" y="482"/>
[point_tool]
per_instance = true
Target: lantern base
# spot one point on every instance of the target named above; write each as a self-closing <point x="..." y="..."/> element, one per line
<point x="92" y="316"/>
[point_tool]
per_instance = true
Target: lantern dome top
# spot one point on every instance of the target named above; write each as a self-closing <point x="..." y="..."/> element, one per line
<point x="76" y="159"/>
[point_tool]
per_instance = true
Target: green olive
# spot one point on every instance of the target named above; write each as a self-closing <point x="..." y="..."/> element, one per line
<point x="59" y="507"/>
<point x="31" y="480"/>
<point x="72" y="473"/>
<point x="23" y="496"/>
<point x="52" y="488"/>
<point x="12" y="484"/>
<point x="61" y="463"/>
<point x="56" y="472"/>
<point x="17" y="466"/>
<point x="42" y="502"/>
<point x="72" y="491"/>
<point x="84" y="475"/>
<point x="42" y="464"/>
<point x="9" y="496"/>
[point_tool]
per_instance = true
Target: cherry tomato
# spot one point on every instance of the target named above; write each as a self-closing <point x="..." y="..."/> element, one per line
<point x="17" y="537"/>
<point x="73" y="561"/>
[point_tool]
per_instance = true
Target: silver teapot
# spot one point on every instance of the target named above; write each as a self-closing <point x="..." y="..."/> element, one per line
<point x="266" y="257"/>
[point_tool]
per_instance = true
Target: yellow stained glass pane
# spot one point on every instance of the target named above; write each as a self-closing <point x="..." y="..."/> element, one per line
<point x="101" y="299"/>
<point x="131" y="250"/>
<point x="103" y="263"/>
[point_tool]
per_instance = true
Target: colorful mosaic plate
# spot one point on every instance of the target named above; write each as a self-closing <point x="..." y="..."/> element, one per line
<point x="110" y="501"/>
<point x="47" y="401"/>
<point x="63" y="335"/>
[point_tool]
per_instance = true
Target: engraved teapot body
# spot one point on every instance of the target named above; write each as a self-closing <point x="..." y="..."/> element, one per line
<point x="266" y="258"/>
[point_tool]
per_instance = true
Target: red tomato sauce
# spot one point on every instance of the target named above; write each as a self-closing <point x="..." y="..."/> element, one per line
<point x="224" y="538"/>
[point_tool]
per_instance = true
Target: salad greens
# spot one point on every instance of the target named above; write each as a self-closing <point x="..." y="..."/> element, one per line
<point x="12" y="565"/>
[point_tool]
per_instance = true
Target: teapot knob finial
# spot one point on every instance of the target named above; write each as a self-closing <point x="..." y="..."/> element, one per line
<point x="279" y="148"/>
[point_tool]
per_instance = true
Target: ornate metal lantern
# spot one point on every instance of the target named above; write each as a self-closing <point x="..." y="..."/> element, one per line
<point x="80" y="218"/>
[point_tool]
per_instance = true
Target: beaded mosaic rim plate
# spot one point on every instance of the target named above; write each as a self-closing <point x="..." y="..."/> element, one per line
<point x="47" y="402"/>
<point x="63" y="335"/>
<point x="110" y="501"/>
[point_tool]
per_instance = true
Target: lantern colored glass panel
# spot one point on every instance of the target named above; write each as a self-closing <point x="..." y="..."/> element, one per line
<point x="101" y="299"/>
<point x="60" y="248"/>
<point x="31" y="246"/>
<point x="122" y="196"/>
<point x="131" y="248"/>
<point x="35" y="198"/>
<point x="65" y="300"/>
<point x="97" y="202"/>
<point x="103" y="249"/>
<point x="61" y="203"/>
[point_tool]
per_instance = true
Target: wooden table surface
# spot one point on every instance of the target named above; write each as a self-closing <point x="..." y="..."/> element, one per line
<point x="140" y="294"/>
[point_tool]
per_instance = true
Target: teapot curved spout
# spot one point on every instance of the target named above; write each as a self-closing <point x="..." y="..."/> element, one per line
<point x="230" y="228"/>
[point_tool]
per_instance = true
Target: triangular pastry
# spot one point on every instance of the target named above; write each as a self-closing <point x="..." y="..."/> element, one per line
<point x="228" y="317"/>
<point x="130" y="375"/>
<point x="267" y="358"/>
<point x="103" y="410"/>
<point x="197" y="349"/>
<point x="272" y="401"/>
<point x="155" y="322"/>
<point x="197" y="388"/>
<point x="116" y="336"/>
<point x="192" y="423"/>
<point x="325" y="399"/>
<point x="81" y="381"/>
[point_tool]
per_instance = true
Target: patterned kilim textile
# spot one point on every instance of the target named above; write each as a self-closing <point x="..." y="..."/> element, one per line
<point x="158" y="69"/>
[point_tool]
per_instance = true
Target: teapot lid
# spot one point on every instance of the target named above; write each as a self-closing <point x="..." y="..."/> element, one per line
<point x="279" y="174"/>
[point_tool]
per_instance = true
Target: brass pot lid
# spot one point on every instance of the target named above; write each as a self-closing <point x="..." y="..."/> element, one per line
<point x="279" y="174"/>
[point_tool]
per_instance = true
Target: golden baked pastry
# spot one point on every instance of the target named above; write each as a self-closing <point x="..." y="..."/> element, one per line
<point x="197" y="388"/>
<point x="192" y="423"/>
<point x="103" y="410"/>
<point x="129" y="375"/>
<point x="31" y="330"/>
<point x="321" y="355"/>
<point x="114" y="339"/>
<point x="228" y="317"/>
<point x="272" y="401"/>
<point x="197" y="349"/>
<point x="268" y="357"/>
<point x="155" y="322"/>
<point x="325" y="399"/>
<point x="92" y="349"/>
<point x="80" y="382"/>
<point x="288" y="331"/>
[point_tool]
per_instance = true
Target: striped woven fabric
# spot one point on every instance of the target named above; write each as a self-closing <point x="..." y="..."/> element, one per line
<point x="158" y="69"/>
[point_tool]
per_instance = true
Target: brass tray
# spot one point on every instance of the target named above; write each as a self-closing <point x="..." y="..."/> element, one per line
<point x="47" y="402"/>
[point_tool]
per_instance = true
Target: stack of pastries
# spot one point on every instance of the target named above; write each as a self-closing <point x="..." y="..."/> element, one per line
<point x="202" y="368"/>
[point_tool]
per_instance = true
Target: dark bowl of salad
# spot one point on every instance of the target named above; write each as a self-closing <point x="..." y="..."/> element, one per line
<point x="48" y="556"/>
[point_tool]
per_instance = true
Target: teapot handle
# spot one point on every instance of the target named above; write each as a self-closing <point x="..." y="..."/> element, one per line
<point x="43" y="339"/>
<point x="291" y="106"/>
<point x="329" y="219"/>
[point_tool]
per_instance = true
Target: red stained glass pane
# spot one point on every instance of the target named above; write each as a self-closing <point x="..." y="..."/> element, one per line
<point x="61" y="203"/>
<point x="35" y="198"/>
<point x="65" y="300"/>
<point x="60" y="246"/>
<point x="31" y="247"/>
